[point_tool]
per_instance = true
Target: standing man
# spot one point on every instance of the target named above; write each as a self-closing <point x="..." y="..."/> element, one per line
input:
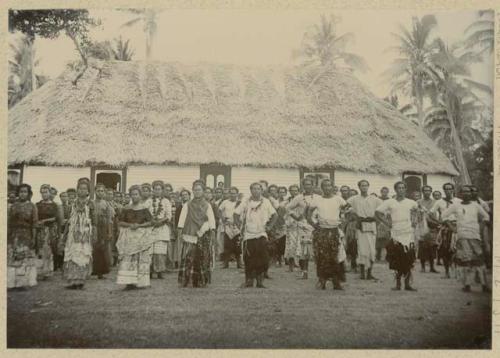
<point x="449" y="229"/>
<point x="219" y="233"/>
<point x="231" y="231"/>
<point x="326" y="236"/>
<point x="469" y="256"/>
<point x="401" y="250"/>
<point x="427" y="230"/>
<point x="256" y="217"/>
<point x="363" y="211"/>
<point x="71" y="196"/>
<point x="383" y="232"/>
<point x="486" y="227"/>
<point x="349" y="229"/>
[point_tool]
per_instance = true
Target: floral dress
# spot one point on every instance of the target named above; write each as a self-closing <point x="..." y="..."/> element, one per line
<point x="78" y="240"/>
<point x="160" y="209"/>
<point x="21" y="264"/>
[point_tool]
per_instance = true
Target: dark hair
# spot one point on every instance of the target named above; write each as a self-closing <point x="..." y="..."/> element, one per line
<point x="282" y="188"/>
<point x="234" y="188"/>
<point x="272" y="186"/>
<point x="83" y="182"/>
<point x="198" y="183"/>
<point x="426" y="186"/>
<point x="136" y="188"/>
<point x="293" y="186"/>
<point x="256" y="183"/>
<point x="452" y="186"/>
<point x="326" y="181"/>
<point x="27" y="186"/>
<point x="71" y="190"/>
<point x="384" y="188"/>
<point x="210" y="189"/>
<point x="363" y="181"/>
<point x="308" y="179"/>
<point x="168" y="185"/>
<point x="219" y="189"/>
<point x="344" y="187"/>
<point x="264" y="181"/>
<point x="399" y="183"/>
<point x="185" y="191"/>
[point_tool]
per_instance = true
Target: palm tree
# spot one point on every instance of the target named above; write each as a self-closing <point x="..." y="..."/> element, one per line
<point x="481" y="33"/>
<point x="323" y="46"/>
<point x="449" y="119"/>
<point x="22" y="70"/>
<point x="150" y="27"/>
<point x="410" y="72"/>
<point x="122" y="51"/>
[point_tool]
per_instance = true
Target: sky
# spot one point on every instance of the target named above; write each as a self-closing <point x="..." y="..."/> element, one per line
<point x="261" y="37"/>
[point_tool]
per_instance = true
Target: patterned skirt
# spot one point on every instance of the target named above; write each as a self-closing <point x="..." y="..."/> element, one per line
<point x="160" y="259"/>
<point x="21" y="263"/>
<point x="47" y="242"/>
<point x="76" y="274"/>
<point x="196" y="262"/>
<point x="326" y="250"/>
<point x="134" y="269"/>
<point x="469" y="252"/>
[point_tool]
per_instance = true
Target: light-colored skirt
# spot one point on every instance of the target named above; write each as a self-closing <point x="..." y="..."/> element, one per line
<point x="366" y="247"/>
<point x="134" y="269"/>
<point x="21" y="267"/>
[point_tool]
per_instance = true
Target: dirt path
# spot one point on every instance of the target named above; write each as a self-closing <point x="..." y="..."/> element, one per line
<point x="290" y="313"/>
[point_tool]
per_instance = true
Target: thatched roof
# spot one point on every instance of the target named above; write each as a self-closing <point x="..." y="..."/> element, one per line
<point x="154" y="113"/>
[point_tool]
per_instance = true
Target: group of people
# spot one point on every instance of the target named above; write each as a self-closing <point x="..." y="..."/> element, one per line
<point x="152" y="230"/>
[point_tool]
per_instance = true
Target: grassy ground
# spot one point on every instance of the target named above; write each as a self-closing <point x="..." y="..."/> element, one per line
<point x="290" y="313"/>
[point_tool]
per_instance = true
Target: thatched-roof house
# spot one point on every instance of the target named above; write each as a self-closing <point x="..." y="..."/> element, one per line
<point x="131" y="122"/>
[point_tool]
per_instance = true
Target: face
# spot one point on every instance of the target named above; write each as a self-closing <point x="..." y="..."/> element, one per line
<point x="282" y="193"/>
<point x="167" y="191"/>
<point x="327" y="187"/>
<point x="23" y="194"/>
<point x="198" y="191"/>
<point x="225" y="194"/>
<point x="64" y="198"/>
<point x="294" y="191"/>
<point x="110" y="195"/>
<point x="401" y="190"/>
<point x="335" y="190"/>
<point x="218" y="193"/>
<point x="208" y="194"/>
<point x="353" y="192"/>
<point x="256" y="191"/>
<point x="436" y="195"/>
<point x="448" y="191"/>
<point x="53" y="194"/>
<point x="82" y="191"/>
<point x="158" y="191"/>
<point x="344" y="191"/>
<point x="363" y="187"/>
<point x="308" y="186"/>
<point x="100" y="193"/>
<point x="45" y="193"/>
<point x="427" y="192"/>
<point x="263" y="186"/>
<point x="72" y="196"/>
<point x="416" y="195"/>
<point x="233" y="195"/>
<point x="118" y="197"/>
<point x="384" y="193"/>
<point x="135" y="196"/>
<point x="12" y="198"/>
<point x="145" y="192"/>
<point x="466" y="193"/>
<point x="185" y="196"/>
<point x="273" y="191"/>
<point x="473" y="193"/>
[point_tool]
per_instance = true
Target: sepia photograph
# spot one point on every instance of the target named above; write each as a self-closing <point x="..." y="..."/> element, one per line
<point x="249" y="178"/>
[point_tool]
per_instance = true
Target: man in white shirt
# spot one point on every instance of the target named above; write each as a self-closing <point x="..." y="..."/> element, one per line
<point x="401" y="250"/>
<point x="448" y="231"/>
<point x="469" y="253"/>
<point x="363" y="208"/>
<point x="231" y="231"/>
<point x="255" y="217"/>
<point x="324" y="215"/>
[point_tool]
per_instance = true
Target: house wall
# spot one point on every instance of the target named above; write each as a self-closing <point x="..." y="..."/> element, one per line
<point x="61" y="178"/>
<point x="376" y="181"/>
<point x="178" y="176"/>
<point x="437" y="181"/>
<point x="242" y="177"/>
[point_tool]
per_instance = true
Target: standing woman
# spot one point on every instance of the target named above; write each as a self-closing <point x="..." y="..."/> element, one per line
<point x="326" y="236"/>
<point x="161" y="210"/>
<point x="294" y="228"/>
<point x="79" y="236"/>
<point x="101" y="253"/>
<point x="196" y="228"/>
<point x="146" y="193"/>
<point x="21" y="231"/>
<point x="134" y="243"/>
<point x="48" y="232"/>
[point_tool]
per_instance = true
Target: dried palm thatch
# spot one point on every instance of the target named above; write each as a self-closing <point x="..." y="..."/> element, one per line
<point x="123" y="113"/>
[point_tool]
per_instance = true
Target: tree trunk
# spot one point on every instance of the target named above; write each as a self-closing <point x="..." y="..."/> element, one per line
<point x="31" y="40"/>
<point x="419" y="103"/>
<point x="462" y="167"/>
<point x="82" y="55"/>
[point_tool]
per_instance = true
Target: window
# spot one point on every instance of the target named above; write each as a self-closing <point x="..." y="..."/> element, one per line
<point x="317" y="175"/>
<point x="111" y="178"/>
<point x="14" y="177"/>
<point x="213" y="174"/>
<point x="414" y="183"/>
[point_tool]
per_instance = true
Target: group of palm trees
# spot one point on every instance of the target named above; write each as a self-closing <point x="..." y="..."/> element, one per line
<point x="433" y="75"/>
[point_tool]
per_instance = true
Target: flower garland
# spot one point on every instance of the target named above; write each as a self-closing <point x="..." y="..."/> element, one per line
<point x="157" y="208"/>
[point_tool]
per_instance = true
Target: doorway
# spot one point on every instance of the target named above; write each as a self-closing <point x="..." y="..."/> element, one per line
<point x="216" y="175"/>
